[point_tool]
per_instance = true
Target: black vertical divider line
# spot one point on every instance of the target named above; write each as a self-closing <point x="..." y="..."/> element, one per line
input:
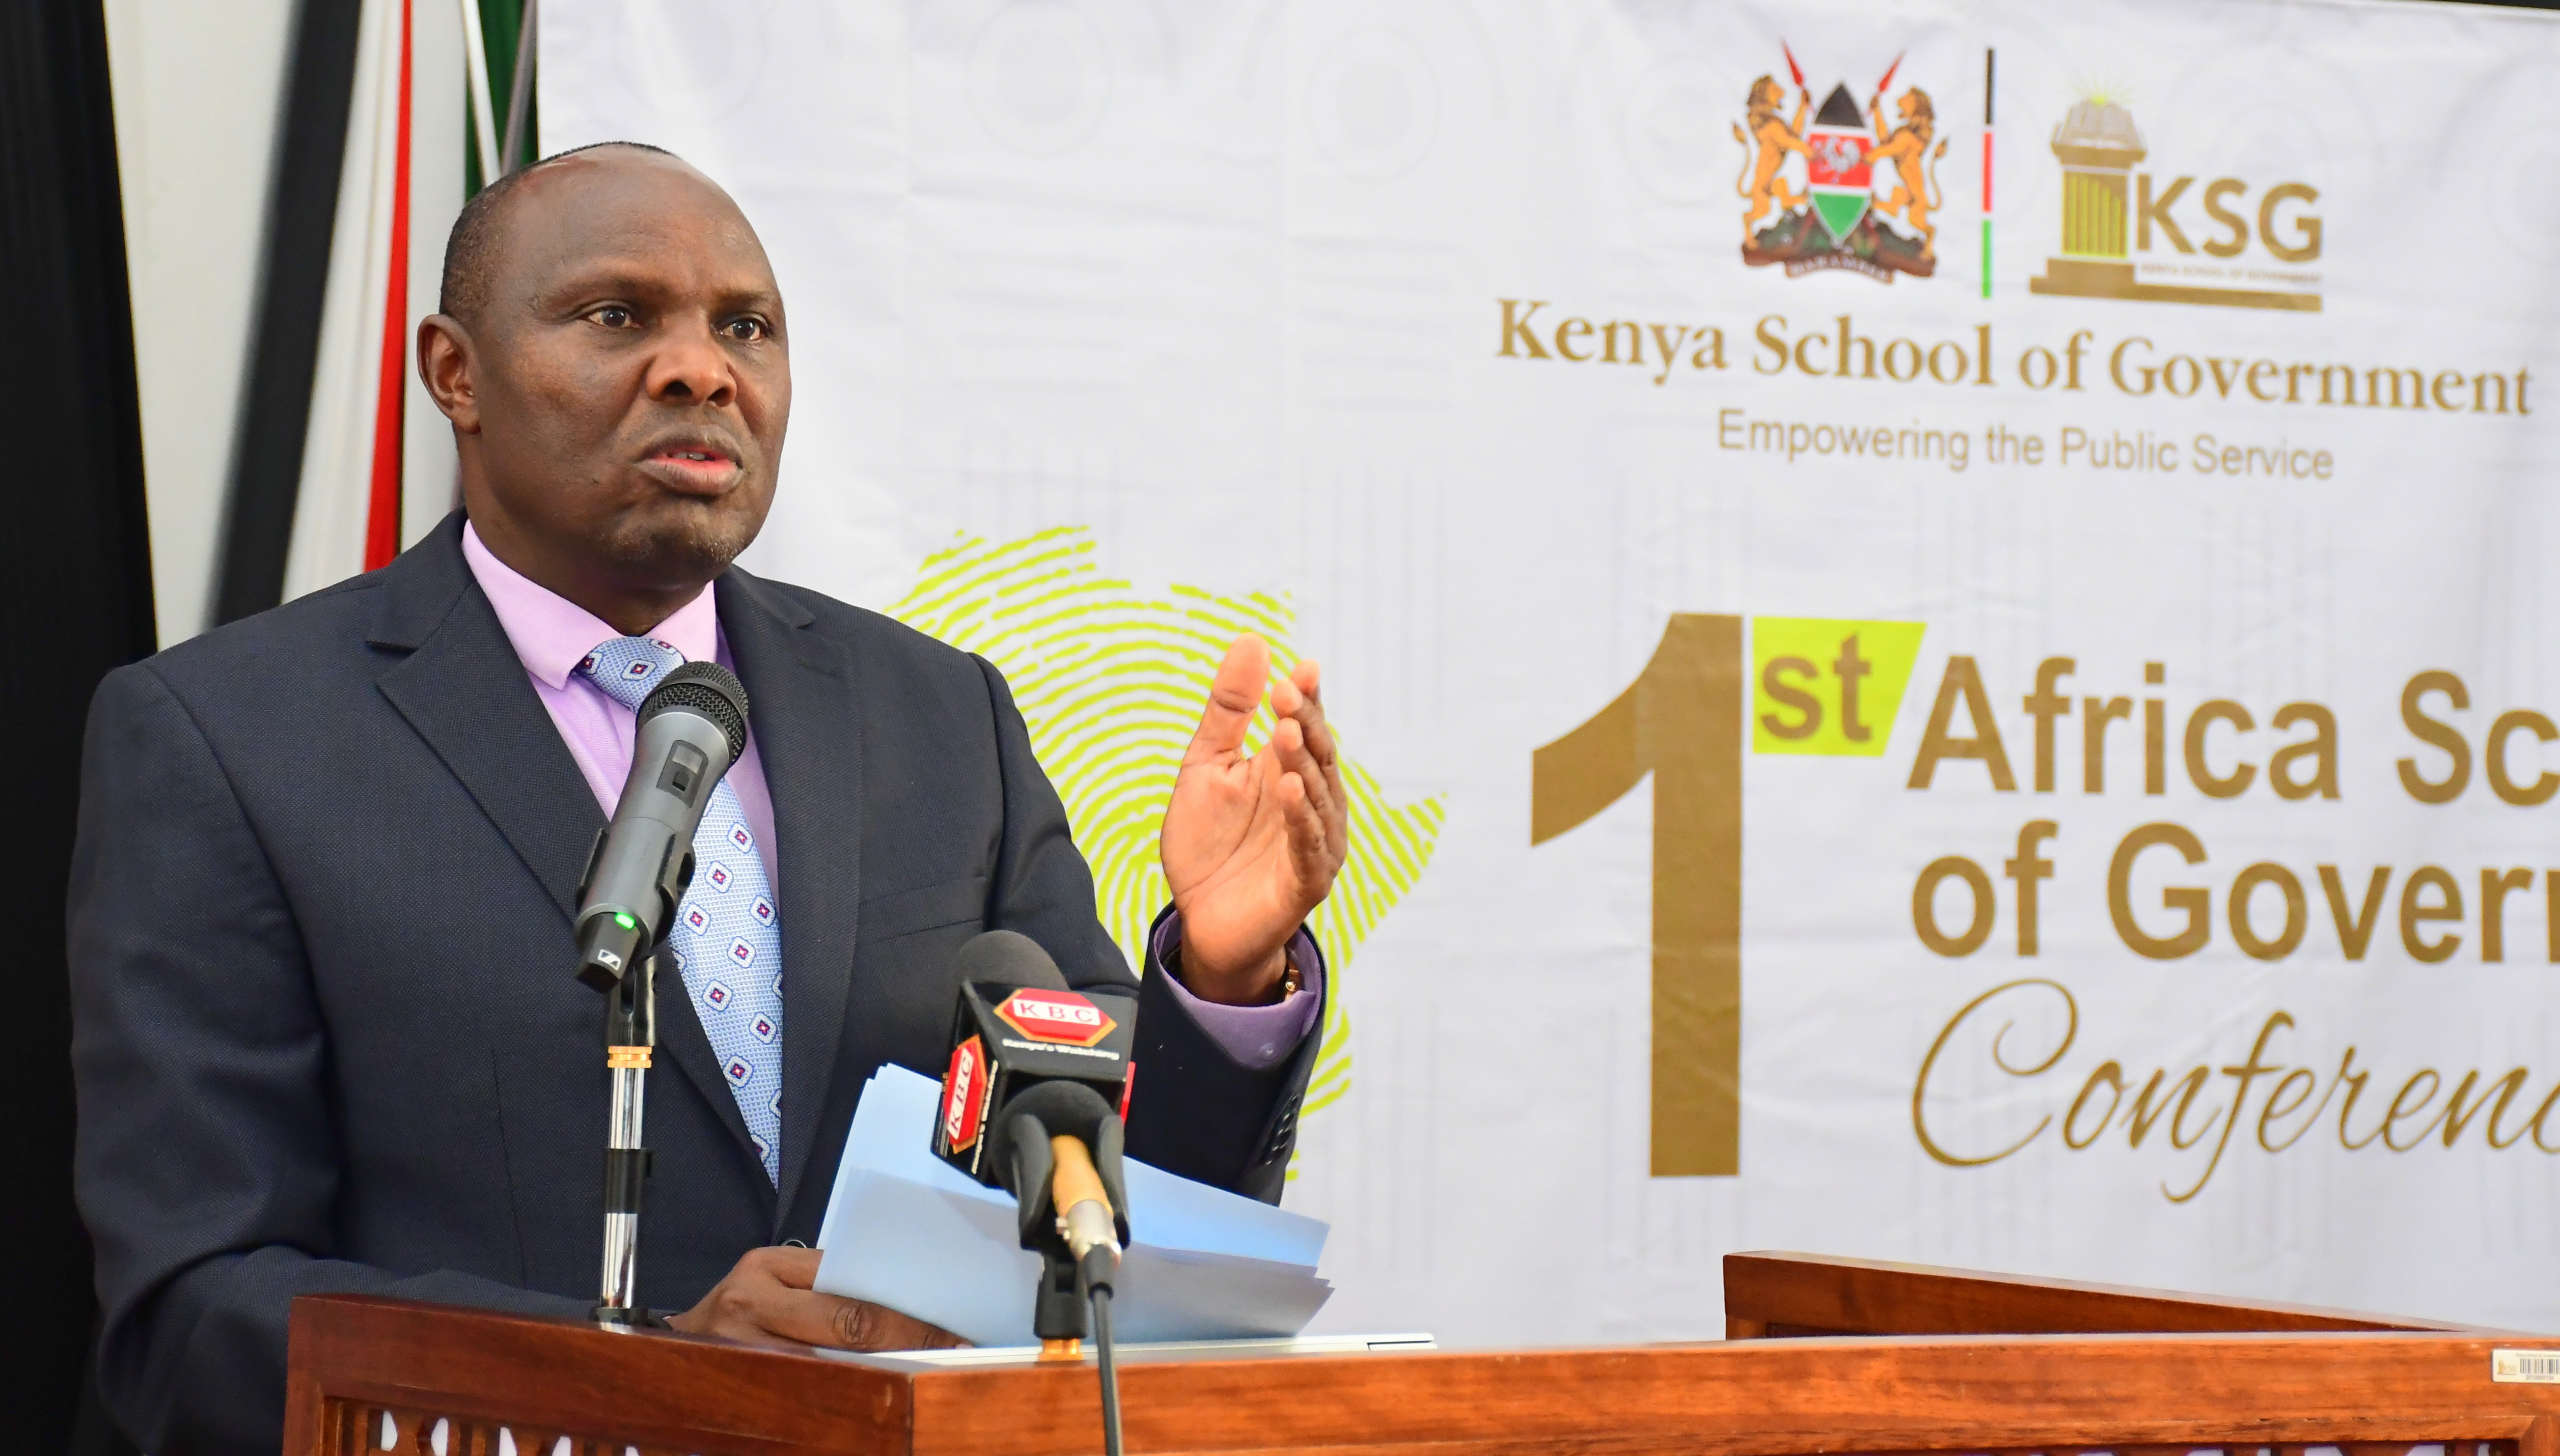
<point x="302" y="211"/>
<point x="77" y="596"/>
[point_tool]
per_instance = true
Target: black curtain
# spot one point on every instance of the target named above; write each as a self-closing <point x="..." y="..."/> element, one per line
<point x="75" y="551"/>
<point x="275" y="404"/>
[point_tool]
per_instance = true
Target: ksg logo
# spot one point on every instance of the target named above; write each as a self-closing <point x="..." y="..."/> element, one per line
<point x="2158" y="237"/>
<point x="2286" y="229"/>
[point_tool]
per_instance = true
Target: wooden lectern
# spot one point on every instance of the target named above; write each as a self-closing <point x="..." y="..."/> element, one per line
<point x="1826" y="1356"/>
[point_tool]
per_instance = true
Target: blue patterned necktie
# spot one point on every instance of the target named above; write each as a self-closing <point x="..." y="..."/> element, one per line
<point x="727" y="937"/>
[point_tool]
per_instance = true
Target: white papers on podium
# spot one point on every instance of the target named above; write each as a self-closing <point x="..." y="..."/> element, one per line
<point x="905" y="1229"/>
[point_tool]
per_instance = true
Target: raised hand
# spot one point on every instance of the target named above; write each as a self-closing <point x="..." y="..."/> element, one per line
<point x="1251" y="844"/>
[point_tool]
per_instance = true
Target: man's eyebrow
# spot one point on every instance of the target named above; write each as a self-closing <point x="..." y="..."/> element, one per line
<point x="599" y="281"/>
<point x="633" y="281"/>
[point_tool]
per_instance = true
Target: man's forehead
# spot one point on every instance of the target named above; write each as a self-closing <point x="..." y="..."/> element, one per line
<point x="620" y="211"/>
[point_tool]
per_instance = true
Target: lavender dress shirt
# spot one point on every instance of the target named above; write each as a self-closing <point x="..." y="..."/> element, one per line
<point x="551" y="634"/>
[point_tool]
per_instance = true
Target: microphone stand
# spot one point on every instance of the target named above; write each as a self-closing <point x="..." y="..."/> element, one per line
<point x="687" y="733"/>
<point x="630" y="1034"/>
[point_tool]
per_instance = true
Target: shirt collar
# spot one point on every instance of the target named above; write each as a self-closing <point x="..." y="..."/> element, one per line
<point x="552" y="635"/>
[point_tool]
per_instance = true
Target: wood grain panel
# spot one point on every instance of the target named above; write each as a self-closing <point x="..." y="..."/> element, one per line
<point x="1794" y="1294"/>
<point x="1990" y="1393"/>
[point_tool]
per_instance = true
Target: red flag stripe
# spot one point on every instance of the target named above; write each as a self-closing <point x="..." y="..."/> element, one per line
<point x="383" y="515"/>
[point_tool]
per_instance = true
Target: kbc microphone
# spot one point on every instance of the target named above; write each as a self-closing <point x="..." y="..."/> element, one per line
<point x="1032" y="1103"/>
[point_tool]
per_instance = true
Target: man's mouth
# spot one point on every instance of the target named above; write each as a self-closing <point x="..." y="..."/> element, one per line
<point x="683" y="456"/>
<point x="692" y="463"/>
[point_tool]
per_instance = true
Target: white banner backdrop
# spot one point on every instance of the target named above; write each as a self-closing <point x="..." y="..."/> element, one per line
<point x="2003" y="482"/>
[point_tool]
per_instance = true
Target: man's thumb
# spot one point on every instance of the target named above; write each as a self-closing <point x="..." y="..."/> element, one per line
<point x="1233" y="694"/>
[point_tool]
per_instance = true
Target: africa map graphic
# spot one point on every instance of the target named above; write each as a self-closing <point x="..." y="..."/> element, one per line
<point x="1110" y="680"/>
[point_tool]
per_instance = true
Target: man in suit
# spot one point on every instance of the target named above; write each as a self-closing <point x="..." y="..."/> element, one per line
<point x="327" y="1038"/>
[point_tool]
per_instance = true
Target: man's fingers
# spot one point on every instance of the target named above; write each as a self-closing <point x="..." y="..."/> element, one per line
<point x="1294" y="746"/>
<point x="1286" y="697"/>
<point x="766" y="1300"/>
<point x="1310" y="845"/>
<point x="860" y="1325"/>
<point x="1308" y="678"/>
<point x="1332" y="801"/>
<point x="793" y="1267"/>
<point x="753" y="1305"/>
<point x="1305" y="704"/>
<point x="808" y="1315"/>
<point x="828" y="1319"/>
<point x="805" y="1317"/>
<point x="1233" y="694"/>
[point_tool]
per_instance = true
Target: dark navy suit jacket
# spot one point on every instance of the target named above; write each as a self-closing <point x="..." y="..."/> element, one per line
<point x="326" y="1032"/>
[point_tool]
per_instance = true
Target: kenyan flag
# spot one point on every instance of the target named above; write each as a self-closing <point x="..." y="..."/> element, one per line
<point x="397" y="111"/>
<point x="1839" y="143"/>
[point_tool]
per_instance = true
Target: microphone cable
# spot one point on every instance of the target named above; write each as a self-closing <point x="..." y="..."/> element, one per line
<point x="1094" y="1273"/>
<point x="1102" y="1354"/>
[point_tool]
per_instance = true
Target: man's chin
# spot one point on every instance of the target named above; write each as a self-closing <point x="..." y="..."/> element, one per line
<point x="676" y="546"/>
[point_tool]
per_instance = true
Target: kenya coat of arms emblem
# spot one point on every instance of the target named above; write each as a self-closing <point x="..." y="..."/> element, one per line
<point x="1836" y="220"/>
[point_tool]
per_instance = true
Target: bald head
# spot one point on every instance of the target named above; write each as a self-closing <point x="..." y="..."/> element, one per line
<point x="611" y="351"/>
<point x="471" y="249"/>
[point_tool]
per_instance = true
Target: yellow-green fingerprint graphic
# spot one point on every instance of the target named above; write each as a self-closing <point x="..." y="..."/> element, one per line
<point x="1111" y="681"/>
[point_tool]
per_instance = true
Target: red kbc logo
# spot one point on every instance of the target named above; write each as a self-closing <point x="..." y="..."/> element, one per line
<point x="961" y="1085"/>
<point x="1055" y="1016"/>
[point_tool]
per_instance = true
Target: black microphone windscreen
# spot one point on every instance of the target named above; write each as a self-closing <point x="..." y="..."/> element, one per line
<point x="707" y="688"/>
<point x="1007" y="957"/>
<point x="1072" y="1109"/>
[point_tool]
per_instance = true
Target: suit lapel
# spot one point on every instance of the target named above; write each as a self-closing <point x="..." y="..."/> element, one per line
<point x="464" y="691"/>
<point x="804" y="716"/>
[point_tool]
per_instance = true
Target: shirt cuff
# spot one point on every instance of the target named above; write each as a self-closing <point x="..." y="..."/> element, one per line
<point x="1257" y="1037"/>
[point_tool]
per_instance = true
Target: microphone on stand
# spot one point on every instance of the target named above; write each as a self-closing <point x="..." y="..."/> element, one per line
<point x="1032" y="1103"/>
<point x="690" y="729"/>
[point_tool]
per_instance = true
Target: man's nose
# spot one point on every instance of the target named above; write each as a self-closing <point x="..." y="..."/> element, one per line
<point x="691" y="368"/>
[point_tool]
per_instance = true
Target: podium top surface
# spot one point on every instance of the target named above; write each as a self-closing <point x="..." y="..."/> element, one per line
<point x="1278" y="1346"/>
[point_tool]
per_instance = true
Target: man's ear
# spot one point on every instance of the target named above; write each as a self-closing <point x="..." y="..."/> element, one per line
<point x="445" y="365"/>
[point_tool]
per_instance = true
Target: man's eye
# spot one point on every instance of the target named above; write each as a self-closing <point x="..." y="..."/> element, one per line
<point x="612" y="316"/>
<point x="747" y="330"/>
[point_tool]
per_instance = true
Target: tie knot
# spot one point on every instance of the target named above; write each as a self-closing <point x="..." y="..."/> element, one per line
<point x="627" y="668"/>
